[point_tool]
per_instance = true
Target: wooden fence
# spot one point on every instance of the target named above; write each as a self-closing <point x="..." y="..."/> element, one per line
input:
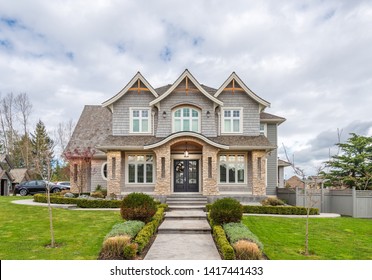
<point x="357" y="204"/>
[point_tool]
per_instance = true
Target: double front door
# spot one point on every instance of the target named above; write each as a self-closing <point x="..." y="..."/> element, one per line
<point x="186" y="175"/>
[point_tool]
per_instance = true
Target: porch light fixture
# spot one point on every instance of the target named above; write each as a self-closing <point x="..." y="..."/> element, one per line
<point x="208" y="114"/>
<point x="186" y="152"/>
<point x="164" y="114"/>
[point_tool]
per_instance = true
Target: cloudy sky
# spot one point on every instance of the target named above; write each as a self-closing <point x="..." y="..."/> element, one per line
<point x="311" y="59"/>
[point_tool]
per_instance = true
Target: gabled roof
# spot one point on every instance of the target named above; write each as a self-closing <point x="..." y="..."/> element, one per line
<point x="270" y="118"/>
<point x="235" y="78"/>
<point x="136" y="78"/>
<point x="186" y="74"/>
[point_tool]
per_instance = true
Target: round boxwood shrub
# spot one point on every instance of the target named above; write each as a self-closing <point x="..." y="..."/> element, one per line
<point x="138" y="206"/>
<point x="226" y="210"/>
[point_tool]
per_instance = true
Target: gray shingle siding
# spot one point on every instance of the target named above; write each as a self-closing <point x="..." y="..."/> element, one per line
<point x="272" y="161"/>
<point x="251" y="116"/>
<point x="96" y="174"/>
<point x="120" y="116"/>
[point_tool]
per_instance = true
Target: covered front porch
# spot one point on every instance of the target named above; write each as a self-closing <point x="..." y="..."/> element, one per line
<point x="187" y="164"/>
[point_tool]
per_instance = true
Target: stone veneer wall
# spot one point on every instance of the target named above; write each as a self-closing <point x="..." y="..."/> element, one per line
<point x="259" y="177"/>
<point x="114" y="177"/>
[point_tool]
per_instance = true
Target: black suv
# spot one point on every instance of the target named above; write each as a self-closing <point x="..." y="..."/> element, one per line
<point x="38" y="186"/>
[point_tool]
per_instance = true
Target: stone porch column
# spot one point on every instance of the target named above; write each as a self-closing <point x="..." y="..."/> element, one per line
<point x="209" y="170"/>
<point x="259" y="172"/>
<point x="115" y="178"/>
<point x="163" y="170"/>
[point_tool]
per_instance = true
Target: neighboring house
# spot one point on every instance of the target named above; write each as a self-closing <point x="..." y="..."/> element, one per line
<point x="294" y="182"/>
<point x="20" y="175"/>
<point x="6" y="177"/>
<point x="179" y="138"/>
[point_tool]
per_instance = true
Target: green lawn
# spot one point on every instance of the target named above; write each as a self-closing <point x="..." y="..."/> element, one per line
<point x="24" y="232"/>
<point x="329" y="238"/>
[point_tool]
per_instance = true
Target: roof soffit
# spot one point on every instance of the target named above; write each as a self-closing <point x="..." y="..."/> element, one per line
<point x="235" y="79"/>
<point x="138" y="77"/>
<point x="186" y="74"/>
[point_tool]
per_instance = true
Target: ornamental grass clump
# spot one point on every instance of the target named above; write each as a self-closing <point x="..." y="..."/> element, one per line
<point x="238" y="231"/>
<point x="226" y="210"/>
<point x="138" y="206"/>
<point x="272" y="201"/>
<point x="130" y="228"/>
<point x="246" y="250"/>
<point x="113" y="247"/>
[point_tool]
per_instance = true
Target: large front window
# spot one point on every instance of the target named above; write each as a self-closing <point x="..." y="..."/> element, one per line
<point x="232" y="168"/>
<point x="140" y="169"/>
<point x="232" y="121"/>
<point x="140" y="120"/>
<point x="186" y="119"/>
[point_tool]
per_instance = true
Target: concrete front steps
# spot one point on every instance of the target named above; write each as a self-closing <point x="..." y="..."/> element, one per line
<point x="185" y="215"/>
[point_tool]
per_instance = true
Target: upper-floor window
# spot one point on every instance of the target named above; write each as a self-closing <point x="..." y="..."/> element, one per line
<point x="140" y="121"/>
<point x="186" y="119"/>
<point x="232" y="120"/>
<point x="263" y="129"/>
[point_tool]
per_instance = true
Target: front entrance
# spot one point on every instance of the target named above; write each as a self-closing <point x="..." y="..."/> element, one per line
<point x="186" y="175"/>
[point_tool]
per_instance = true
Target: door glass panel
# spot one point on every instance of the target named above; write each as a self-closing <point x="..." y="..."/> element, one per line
<point x="179" y="169"/>
<point x="192" y="172"/>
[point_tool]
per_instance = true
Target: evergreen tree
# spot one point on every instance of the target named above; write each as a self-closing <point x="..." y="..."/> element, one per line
<point x="42" y="150"/>
<point x="353" y="166"/>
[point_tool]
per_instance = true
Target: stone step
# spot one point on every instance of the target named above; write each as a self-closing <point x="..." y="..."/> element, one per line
<point x="186" y="215"/>
<point x="187" y="199"/>
<point x="175" y="207"/>
<point x="184" y="226"/>
<point x="191" y="202"/>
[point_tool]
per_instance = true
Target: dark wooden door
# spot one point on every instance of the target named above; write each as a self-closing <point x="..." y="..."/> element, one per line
<point x="186" y="175"/>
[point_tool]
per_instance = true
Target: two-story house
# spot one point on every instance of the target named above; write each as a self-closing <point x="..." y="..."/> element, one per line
<point x="184" y="137"/>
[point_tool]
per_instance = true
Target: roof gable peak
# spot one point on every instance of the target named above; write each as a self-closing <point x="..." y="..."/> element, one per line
<point x="189" y="77"/>
<point x="234" y="78"/>
<point x="138" y="78"/>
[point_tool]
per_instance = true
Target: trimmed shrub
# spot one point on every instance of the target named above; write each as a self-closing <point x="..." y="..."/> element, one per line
<point x="238" y="231"/>
<point x="82" y="203"/>
<point x="223" y="244"/>
<point x="130" y="251"/>
<point x="226" y="210"/>
<point x="113" y="247"/>
<point x="283" y="210"/>
<point x="138" y="206"/>
<point x="130" y="228"/>
<point x="272" y="201"/>
<point x="246" y="250"/>
<point x="144" y="236"/>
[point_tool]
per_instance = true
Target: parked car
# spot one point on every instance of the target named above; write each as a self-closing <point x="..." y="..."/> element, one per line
<point x="63" y="183"/>
<point x="38" y="186"/>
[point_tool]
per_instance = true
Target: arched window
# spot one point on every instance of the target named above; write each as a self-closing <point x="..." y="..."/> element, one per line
<point x="104" y="171"/>
<point x="186" y="119"/>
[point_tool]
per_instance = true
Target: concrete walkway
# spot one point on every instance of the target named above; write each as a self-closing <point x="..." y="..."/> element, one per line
<point x="184" y="235"/>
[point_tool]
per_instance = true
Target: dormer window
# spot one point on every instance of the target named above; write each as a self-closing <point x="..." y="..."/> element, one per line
<point x="140" y="121"/>
<point x="232" y="120"/>
<point x="186" y="119"/>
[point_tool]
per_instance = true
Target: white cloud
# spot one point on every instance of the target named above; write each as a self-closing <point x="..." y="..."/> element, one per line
<point x="310" y="59"/>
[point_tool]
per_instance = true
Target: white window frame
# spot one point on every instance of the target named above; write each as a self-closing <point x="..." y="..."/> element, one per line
<point x="190" y="118"/>
<point x="231" y="109"/>
<point x="140" y="118"/>
<point x="264" y="131"/>
<point x="136" y="162"/>
<point x="236" y="173"/>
